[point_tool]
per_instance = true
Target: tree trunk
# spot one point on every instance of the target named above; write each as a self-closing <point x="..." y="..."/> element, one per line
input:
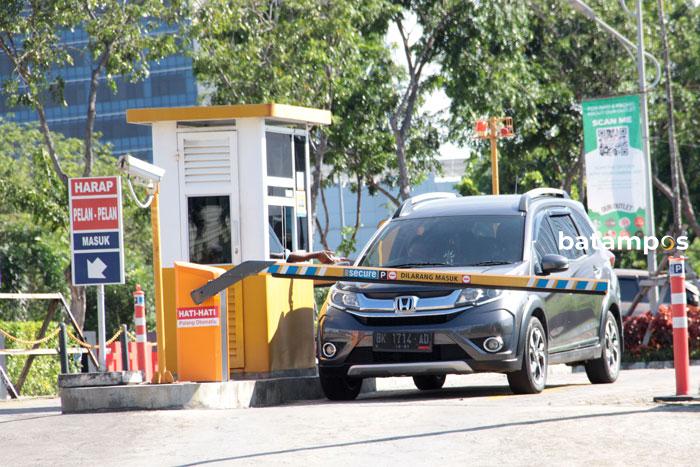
<point x="78" y="299"/>
<point x="672" y="146"/>
<point x="404" y="181"/>
<point x="319" y="154"/>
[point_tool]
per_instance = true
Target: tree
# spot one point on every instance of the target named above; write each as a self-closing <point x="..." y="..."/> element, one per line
<point x="120" y="41"/>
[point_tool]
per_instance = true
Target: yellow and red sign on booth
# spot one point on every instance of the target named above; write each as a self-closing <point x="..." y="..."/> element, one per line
<point x="202" y="345"/>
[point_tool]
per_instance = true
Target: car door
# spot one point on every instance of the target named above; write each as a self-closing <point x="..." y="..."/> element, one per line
<point x="555" y="303"/>
<point x="579" y="314"/>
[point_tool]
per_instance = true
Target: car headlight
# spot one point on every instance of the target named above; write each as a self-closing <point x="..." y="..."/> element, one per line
<point x="344" y="299"/>
<point x="473" y="296"/>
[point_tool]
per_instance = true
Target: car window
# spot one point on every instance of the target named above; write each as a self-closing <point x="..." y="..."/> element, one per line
<point x="563" y="226"/>
<point x="448" y="241"/>
<point x="583" y="224"/>
<point x="629" y="287"/>
<point x="545" y="243"/>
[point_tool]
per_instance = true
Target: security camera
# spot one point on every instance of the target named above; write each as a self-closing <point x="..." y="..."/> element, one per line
<point x="141" y="172"/>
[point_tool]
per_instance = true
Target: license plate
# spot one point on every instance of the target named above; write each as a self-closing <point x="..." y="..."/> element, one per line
<point x="403" y="342"/>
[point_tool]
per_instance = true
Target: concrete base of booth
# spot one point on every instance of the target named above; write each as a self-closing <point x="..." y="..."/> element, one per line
<point x="227" y="395"/>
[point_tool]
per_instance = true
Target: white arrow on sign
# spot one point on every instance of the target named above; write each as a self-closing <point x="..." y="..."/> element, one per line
<point x="96" y="269"/>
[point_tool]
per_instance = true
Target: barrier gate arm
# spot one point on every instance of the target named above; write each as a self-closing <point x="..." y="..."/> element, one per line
<point x="397" y="276"/>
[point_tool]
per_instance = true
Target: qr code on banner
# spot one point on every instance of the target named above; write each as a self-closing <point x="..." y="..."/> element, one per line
<point x="613" y="141"/>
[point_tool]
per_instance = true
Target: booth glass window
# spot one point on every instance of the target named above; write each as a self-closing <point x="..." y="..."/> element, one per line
<point x="279" y="155"/>
<point x="282" y="225"/>
<point x="209" y="223"/>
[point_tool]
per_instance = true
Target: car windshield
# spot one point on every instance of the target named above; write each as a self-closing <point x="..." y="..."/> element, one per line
<point x="471" y="240"/>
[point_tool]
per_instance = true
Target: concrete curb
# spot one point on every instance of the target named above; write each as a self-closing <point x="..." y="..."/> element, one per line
<point x="657" y="365"/>
<point x="226" y="395"/>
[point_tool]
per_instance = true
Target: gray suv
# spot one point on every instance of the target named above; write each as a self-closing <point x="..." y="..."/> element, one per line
<point x="376" y="330"/>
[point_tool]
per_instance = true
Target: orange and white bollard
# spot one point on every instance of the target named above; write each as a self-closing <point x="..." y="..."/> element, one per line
<point x="676" y="272"/>
<point x="141" y="337"/>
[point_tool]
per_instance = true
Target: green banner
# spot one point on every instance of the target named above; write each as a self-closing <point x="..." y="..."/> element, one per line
<point x="615" y="169"/>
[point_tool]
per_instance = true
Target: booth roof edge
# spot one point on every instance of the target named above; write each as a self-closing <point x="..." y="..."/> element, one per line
<point x="285" y="112"/>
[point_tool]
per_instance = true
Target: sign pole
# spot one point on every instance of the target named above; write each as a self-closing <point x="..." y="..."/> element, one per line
<point x="493" y="136"/>
<point x="163" y="375"/>
<point x="101" y="337"/>
<point x="651" y="256"/>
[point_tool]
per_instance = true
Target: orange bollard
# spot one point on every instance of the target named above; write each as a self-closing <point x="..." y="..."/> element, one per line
<point x="141" y="338"/>
<point x="676" y="272"/>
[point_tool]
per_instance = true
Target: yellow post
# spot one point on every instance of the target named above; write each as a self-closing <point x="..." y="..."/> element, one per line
<point x="493" y="137"/>
<point x="163" y="375"/>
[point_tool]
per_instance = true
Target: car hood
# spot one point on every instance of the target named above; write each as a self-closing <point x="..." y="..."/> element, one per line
<point x="515" y="269"/>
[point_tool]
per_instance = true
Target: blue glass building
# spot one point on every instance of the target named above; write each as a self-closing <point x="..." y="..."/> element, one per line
<point x="171" y="83"/>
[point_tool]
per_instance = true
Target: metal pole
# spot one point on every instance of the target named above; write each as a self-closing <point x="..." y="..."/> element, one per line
<point x="163" y="376"/>
<point x="101" y="338"/>
<point x="493" y="136"/>
<point x="63" y="347"/>
<point x="342" y="203"/>
<point x="651" y="256"/>
<point x="125" y="348"/>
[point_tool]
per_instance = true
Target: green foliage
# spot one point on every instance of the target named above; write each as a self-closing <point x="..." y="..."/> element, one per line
<point x="42" y="379"/>
<point x="348" y="244"/>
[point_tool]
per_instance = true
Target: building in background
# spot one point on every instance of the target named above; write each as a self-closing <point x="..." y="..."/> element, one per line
<point x="378" y="208"/>
<point x="170" y="83"/>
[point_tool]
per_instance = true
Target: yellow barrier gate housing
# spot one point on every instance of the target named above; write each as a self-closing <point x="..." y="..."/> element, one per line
<point x="236" y="188"/>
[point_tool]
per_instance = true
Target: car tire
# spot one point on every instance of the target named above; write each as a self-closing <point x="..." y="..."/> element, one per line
<point x="532" y="376"/>
<point x="340" y="388"/>
<point x="605" y="370"/>
<point x="429" y="382"/>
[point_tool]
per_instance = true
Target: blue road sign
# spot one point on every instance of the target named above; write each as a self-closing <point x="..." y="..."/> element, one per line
<point x="97" y="268"/>
<point x="96" y="241"/>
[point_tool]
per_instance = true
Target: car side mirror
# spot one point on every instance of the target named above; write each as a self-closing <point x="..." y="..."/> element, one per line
<point x="554" y="263"/>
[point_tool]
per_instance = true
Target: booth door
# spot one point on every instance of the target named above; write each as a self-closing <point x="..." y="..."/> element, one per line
<point x="209" y="203"/>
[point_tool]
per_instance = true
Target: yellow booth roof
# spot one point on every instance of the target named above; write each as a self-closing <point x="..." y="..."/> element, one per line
<point x="289" y="113"/>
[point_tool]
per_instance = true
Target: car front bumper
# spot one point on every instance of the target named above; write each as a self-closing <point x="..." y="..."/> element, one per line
<point x="457" y="343"/>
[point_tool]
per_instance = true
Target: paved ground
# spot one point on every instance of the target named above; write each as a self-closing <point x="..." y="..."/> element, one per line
<point x="474" y="421"/>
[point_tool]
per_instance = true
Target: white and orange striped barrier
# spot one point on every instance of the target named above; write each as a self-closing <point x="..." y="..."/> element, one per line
<point x="398" y="276"/>
<point x="676" y="272"/>
<point x="143" y="350"/>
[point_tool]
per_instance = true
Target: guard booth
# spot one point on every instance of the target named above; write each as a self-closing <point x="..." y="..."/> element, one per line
<point x="236" y="188"/>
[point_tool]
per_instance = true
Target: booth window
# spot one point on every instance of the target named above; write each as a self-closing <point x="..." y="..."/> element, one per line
<point x="281" y="222"/>
<point x="279" y="155"/>
<point x="209" y="221"/>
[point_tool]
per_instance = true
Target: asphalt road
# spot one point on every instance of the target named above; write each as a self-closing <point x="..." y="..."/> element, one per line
<point x="475" y="420"/>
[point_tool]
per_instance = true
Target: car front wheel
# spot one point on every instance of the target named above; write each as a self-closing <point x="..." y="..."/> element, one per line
<point x="531" y="377"/>
<point x="339" y="388"/>
<point x="429" y="382"/>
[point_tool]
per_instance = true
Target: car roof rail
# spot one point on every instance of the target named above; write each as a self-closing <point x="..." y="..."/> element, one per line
<point x="408" y="205"/>
<point x="527" y="198"/>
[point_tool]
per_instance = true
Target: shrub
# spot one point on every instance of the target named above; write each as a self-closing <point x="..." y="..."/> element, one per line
<point x="660" y="345"/>
<point x="42" y="379"/>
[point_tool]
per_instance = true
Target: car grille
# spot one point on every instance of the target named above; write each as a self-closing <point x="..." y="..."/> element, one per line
<point x="414" y="319"/>
<point x="419" y="294"/>
<point x="447" y="352"/>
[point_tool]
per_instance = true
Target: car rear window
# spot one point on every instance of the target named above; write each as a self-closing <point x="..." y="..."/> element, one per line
<point x="629" y="287"/>
<point x="448" y="241"/>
